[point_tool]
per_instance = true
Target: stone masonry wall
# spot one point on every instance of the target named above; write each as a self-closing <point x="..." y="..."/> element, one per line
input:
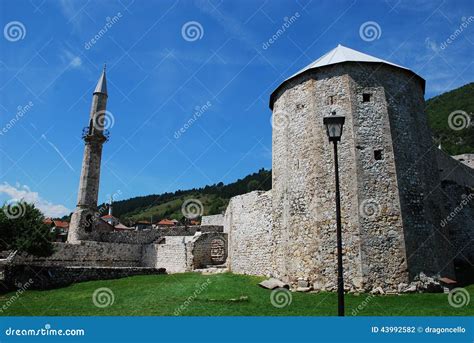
<point x="303" y="183"/>
<point x="217" y="219"/>
<point x="418" y="179"/>
<point x="169" y="253"/>
<point x="45" y="277"/>
<point x="248" y="224"/>
<point x="149" y="236"/>
<point x="453" y="170"/>
<point x="458" y="196"/>
<point x="88" y="253"/>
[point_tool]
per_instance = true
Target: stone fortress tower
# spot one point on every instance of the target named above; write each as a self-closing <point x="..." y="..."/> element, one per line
<point x="391" y="211"/>
<point x="391" y="201"/>
<point x="85" y="214"/>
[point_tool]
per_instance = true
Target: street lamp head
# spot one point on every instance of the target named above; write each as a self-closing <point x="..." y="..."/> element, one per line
<point x="334" y="124"/>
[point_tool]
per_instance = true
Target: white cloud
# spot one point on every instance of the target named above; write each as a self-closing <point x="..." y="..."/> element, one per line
<point x="73" y="60"/>
<point x="431" y="44"/>
<point x="24" y="193"/>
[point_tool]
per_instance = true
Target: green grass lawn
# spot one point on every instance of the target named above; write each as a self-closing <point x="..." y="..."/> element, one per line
<point x="193" y="294"/>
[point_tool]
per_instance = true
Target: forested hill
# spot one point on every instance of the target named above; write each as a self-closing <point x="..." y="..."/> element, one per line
<point x="460" y="139"/>
<point x="168" y="205"/>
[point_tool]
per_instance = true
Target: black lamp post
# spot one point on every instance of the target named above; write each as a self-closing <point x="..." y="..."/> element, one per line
<point x="334" y="124"/>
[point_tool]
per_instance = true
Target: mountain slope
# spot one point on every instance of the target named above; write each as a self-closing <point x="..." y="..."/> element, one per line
<point x="439" y="108"/>
<point x="168" y="205"/>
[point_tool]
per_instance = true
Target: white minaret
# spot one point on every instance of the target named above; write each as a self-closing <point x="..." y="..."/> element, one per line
<point x="85" y="214"/>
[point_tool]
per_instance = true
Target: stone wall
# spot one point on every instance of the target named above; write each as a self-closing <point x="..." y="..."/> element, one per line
<point x="458" y="198"/>
<point x="88" y="253"/>
<point x="170" y="253"/>
<point x="453" y="170"/>
<point x="149" y="236"/>
<point x="248" y="223"/>
<point x="128" y="237"/>
<point x="44" y="277"/>
<point x="217" y="219"/>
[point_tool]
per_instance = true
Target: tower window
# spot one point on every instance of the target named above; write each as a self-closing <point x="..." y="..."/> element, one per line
<point x="366" y="97"/>
<point x="378" y="155"/>
<point x="331" y="100"/>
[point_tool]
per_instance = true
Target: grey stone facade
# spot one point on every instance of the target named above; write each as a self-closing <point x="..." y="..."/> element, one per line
<point x="248" y="223"/>
<point x="216" y="219"/>
<point x="457" y="184"/>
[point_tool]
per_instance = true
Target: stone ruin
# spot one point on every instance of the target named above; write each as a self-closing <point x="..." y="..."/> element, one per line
<point x="407" y="207"/>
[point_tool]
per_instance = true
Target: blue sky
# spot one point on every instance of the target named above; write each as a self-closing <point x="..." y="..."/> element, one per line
<point x="160" y="74"/>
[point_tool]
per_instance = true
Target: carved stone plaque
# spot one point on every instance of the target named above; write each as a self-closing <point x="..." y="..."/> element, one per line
<point x="218" y="251"/>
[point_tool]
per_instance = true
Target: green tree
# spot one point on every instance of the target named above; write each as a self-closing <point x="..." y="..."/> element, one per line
<point x="253" y="185"/>
<point x="22" y="229"/>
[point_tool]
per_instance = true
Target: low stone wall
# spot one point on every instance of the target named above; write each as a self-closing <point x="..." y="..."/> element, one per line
<point x="452" y="170"/>
<point x="169" y="253"/>
<point x="248" y="223"/>
<point x="459" y="204"/>
<point x="128" y="237"/>
<point x="457" y="183"/>
<point x="149" y="236"/>
<point x="217" y="219"/>
<point x="190" y="230"/>
<point x="87" y="253"/>
<point x="45" y="277"/>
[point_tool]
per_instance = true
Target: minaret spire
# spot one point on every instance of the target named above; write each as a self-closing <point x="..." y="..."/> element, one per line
<point x="102" y="83"/>
<point x="110" y="206"/>
<point x="83" y="220"/>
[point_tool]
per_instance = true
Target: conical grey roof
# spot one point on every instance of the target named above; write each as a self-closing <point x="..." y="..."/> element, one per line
<point x="101" y="84"/>
<point x="343" y="54"/>
<point x="340" y="54"/>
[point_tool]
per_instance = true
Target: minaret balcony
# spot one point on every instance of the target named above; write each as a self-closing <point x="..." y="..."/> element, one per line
<point x="91" y="134"/>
